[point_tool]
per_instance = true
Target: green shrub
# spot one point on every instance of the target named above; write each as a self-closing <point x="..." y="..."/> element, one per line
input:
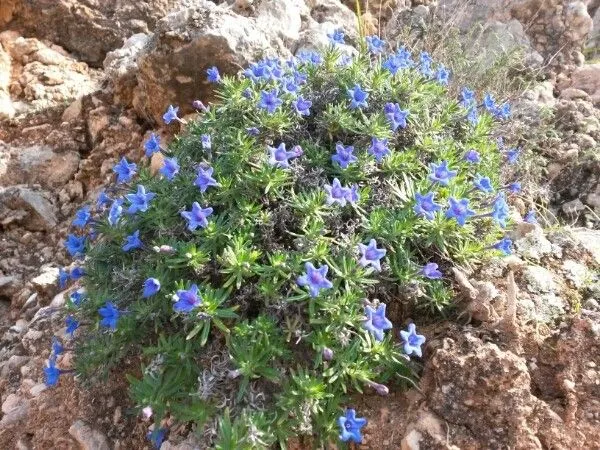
<point x="219" y="302"/>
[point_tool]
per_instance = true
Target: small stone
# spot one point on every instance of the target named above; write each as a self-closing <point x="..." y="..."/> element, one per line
<point x="46" y="281"/>
<point x="569" y="385"/>
<point x="573" y="207"/>
<point x="38" y="389"/>
<point x="87" y="437"/>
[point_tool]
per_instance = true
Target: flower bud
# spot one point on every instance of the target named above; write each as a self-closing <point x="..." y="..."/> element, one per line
<point x="147" y="412"/>
<point x="197" y="104"/>
<point x="327" y="354"/>
<point x="381" y="389"/>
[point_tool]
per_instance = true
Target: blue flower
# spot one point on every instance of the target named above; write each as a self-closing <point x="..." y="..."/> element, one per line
<point x="430" y="270"/>
<point x="468" y="97"/>
<point x="500" y="212"/>
<point x="151" y="287"/>
<point x="110" y="315"/>
<point x="124" y="170"/>
<point x="441" y="173"/>
<point x="315" y="279"/>
<point x="350" y="426"/>
<point x="337" y="37"/>
<point x="204" y="179"/>
<point x="302" y="106"/>
<point x="132" y="241"/>
<point x="57" y="347"/>
<point x="504" y="245"/>
<point x="300" y="77"/>
<point x="75" y="245"/>
<point x="371" y="255"/>
<point x="400" y="60"/>
<point x="258" y="71"/>
<point x="269" y="101"/>
<point x="140" y="200"/>
<point x="376" y="322"/>
<point x="483" y="184"/>
<point x="156" y="437"/>
<point x="115" y="212"/>
<point x="459" y="210"/>
<point x="197" y="216"/>
<point x="412" y="340"/>
<point x="206" y="141"/>
<point x="170" y="168"/>
<point x="51" y="373"/>
<point x="530" y="217"/>
<point x="290" y="86"/>
<point x="279" y="157"/>
<point x="426" y="61"/>
<point x="336" y="193"/>
<point x="187" y="299"/>
<point x="63" y="277"/>
<point x="103" y="200"/>
<point x="82" y="216"/>
<point x="379" y="148"/>
<point x="512" y="155"/>
<point x="395" y="115"/>
<point x="472" y="157"/>
<point x="252" y="131"/>
<point x="343" y="155"/>
<point x="152" y="145"/>
<point x="489" y="102"/>
<point x="503" y="112"/>
<point x="472" y="116"/>
<point x="358" y="97"/>
<point x="442" y="75"/>
<point x="71" y="325"/>
<point x="77" y="297"/>
<point x="310" y="57"/>
<point x="77" y="273"/>
<point x="171" y="114"/>
<point x="352" y="194"/>
<point x="213" y="75"/>
<point x="375" y="44"/>
<point x="515" y="187"/>
<point x="425" y="205"/>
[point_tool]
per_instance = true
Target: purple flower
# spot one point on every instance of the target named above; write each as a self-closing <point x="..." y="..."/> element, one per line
<point x="197" y="104"/>
<point x="124" y="170"/>
<point x="140" y="201"/>
<point x="75" y="245"/>
<point x="151" y="287"/>
<point x="63" y="277"/>
<point x="343" y="155"/>
<point x="515" y="187"/>
<point x="425" y="205"/>
<point x="483" y="184"/>
<point x="442" y="75"/>
<point x="115" y="212"/>
<point x="290" y="86"/>
<point x="132" y="241"/>
<point x="110" y="315"/>
<point x="204" y="179"/>
<point x="412" y="340"/>
<point x="82" y="216"/>
<point x="352" y="194"/>
<point x="197" y="216"/>
<point x="302" y="106"/>
<point x="337" y="37"/>
<point x="170" y="168"/>
<point x="269" y="101"/>
<point x="512" y="155"/>
<point x="459" y="210"/>
<point x="472" y="157"/>
<point x="327" y="354"/>
<point x="77" y="273"/>
<point x="152" y="145"/>
<point x="504" y="245"/>
<point x="376" y="321"/>
<point x="187" y="299"/>
<point x="441" y="173"/>
<point x="430" y="270"/>
<point x="375" y="44"/>
<point x="71" y="325"/>
<point x="500" y="212"/>
<point x="489" y="102"/>
<point x="51" y="373"/>
<point x="213" y="75"/>
<point x="530" y="217"/>
<point x="379" y="148"/>
<point x="315" y="279"/>
<point x="279" y="157"/>
<point x="358" y="97"/>
<point x="371" y="255"/>
<point x="395" y="115"/>
<point x="336" y="193"/>
<point x="253" y="131"/>
<point x="206" y="141"/>
<point x="171" y="114"/>
<point x="350" y="426"/>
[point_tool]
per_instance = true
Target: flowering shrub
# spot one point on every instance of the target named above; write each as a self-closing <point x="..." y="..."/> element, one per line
<point x="250" y="276"/>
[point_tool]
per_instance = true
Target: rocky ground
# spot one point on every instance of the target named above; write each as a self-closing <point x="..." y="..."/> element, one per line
<point x="83" y="81"/>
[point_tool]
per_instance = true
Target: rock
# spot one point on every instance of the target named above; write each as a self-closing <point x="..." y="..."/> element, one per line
<point x="46" y="281"/>
<point x="590" y="241"/>
<point x="7" y="10"/>
<point x="30" y="208"/>
<point x="173" y="68"/>
<point x="87" y="437"/>
<point x="336" y="13"/>
<point x="534" y="244"/>
<point x="15" y="409"/>
<point x="574" y="94"/>
<point x="573" y="207"/>
<point x="587" y="79"/>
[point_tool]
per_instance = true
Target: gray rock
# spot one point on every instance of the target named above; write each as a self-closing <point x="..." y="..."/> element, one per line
<point x="573" y="207"/>
<point x="15" y="409"/>
<point x="30" y="208"/>
<point x="45" y="282"/>
<point x="87" y="437"/>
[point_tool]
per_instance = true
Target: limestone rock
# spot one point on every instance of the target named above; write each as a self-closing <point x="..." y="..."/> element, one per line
<point x="28" y="207"/>
<point x="87" y="437"/>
